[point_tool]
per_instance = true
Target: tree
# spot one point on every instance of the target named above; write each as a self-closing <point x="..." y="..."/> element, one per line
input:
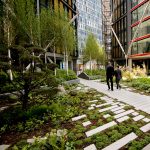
<point x="24" y="45"/>
<point x="101" y="56"/>
<point x="91" y="49"/>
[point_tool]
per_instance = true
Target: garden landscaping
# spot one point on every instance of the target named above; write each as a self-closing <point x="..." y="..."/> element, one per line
<point x="80" y="118"/>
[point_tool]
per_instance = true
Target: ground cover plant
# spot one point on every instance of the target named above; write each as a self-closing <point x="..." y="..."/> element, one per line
<point x="53" y="120"/>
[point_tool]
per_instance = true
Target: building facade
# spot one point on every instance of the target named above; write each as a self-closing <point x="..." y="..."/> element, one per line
<point x="70" y="8"/>
<point x="130" y="17"/>
<point x="140" y="52"/>
<point x="106" y="25"/>
<point x="89" y="21"/>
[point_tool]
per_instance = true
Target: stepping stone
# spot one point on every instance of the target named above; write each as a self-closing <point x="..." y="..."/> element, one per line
<point x="90" y="108"/>
<point x="86" y="123"/>
<point x="146" y="147"/>
<point x="4" y="147"/>
<point x="30" y="140"/>
<point x="101" y="128"/>
<point x="115" y="103"/>
<point x="90" y="147"/>
<point x="105" y="104"/>
<point x="135" y="114"/>
<point x="118" y="108"/>
<point x="145" y="128"/>
<point x="119" y="111"/>
<point x="33" y="140"/>
<point x="93" y="101"/>
<point x="108" y="108"/>
<point x="123" y="119"/>
<point x="146" y="119"/>
<point x="123" y="114"/>
<point x="78" y="117"/>
<point x="137" y="118"/>
<point x="122" y="142"/>
<point x="106" y="116"/>
<point x="122" y="104"/>
<point x="93" y="105"/>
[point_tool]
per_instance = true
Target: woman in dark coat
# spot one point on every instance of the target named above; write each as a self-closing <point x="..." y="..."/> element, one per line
<point x="118" y="76"/>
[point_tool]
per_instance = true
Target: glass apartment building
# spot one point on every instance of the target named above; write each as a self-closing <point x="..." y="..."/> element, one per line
<point x="141" y="43"/>
<point x="126" y="18"/>
<point x="89" y="21"/>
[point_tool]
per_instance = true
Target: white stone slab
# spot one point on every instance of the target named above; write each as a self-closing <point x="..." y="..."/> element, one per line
<point x="90" y="108"/>
<point x="122" y="142"/>
<point x="123" y="119"/>
<point x="4" y="147"/>
<point x="93" y="101"/>
<point x="115" y="103"/>
<point x="137" y="118"/>
<point x="86" y="123"/>
<point x="122" y="104"/>
<point x="123" y="114"/>
<point x="78" y="117"/>
<point x="30" y="140"/>
<point x="145" y="128"/>
<point x="119" y="111"/>
<point x="146" y="119"/>
<point x="90" y="147"/>
<point x="99" y="129"/>
<point x="93" y="105"/>
<point x="105" y="104"/>
<point x="118" y="108"/>
<point x="147" y="147"/>
<point x="108" y="108"/>
<point x="106" y="116"/>
<point x="135" y="113"/>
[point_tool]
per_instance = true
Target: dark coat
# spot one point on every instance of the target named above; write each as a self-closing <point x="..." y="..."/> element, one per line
<point x="109" y="71"/>
<point x="118" y="74"/>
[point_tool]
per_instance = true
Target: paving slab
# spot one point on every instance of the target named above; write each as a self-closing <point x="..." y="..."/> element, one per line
<point x="122" y="142"/>
<point x="145" y="128"/>
<point x="78" y="117"/>
<point x="135" y="113"/>
<point x="147" y="147"/>
<point x="106" y="116"/>
<point x="119" y="111"/>
<point x="146" y="119"/>
<point x="90" y="147"/>
<point x="123" y="114"/>
<point x="100" y="128"/>
<point x="123" y="119"/>
<point x="90" y="108"/>
<point x="139" y="117"/>
<point x="86" y="123"/>
<point x="108" y="108"/>
<point x="93" y="105"/>
<point x="93" y="101"/>
<point x="4" y="147"/>
<point x="105" y="104"/>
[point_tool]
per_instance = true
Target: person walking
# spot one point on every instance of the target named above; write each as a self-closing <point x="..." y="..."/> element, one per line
<point x="109" y="75"/>
<point x="118" y="75"/>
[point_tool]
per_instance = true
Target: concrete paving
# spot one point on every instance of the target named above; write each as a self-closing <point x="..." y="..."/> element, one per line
<point x="140" y="102"/>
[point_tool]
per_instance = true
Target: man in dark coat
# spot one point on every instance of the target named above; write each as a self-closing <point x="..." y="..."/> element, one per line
<point x="118" y="76"/>
<point x="109" y="75"/>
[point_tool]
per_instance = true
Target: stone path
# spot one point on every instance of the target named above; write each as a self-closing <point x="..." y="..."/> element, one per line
<point x="140" y="102"/>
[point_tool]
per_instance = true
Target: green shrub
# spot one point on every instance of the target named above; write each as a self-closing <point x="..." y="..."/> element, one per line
<point x="62" y="75"/>
<point x="95" y="72"/>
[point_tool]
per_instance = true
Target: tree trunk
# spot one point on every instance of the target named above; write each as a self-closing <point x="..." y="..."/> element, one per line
<point x="55" y="61"/>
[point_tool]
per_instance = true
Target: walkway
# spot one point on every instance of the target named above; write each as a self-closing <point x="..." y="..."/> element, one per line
<point x="140" y="102"/>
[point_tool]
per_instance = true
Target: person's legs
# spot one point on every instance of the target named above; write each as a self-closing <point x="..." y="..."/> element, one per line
<point x="117" y="83"/>
<point x="107" y="79"/>
<point x="111" y="80"/>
